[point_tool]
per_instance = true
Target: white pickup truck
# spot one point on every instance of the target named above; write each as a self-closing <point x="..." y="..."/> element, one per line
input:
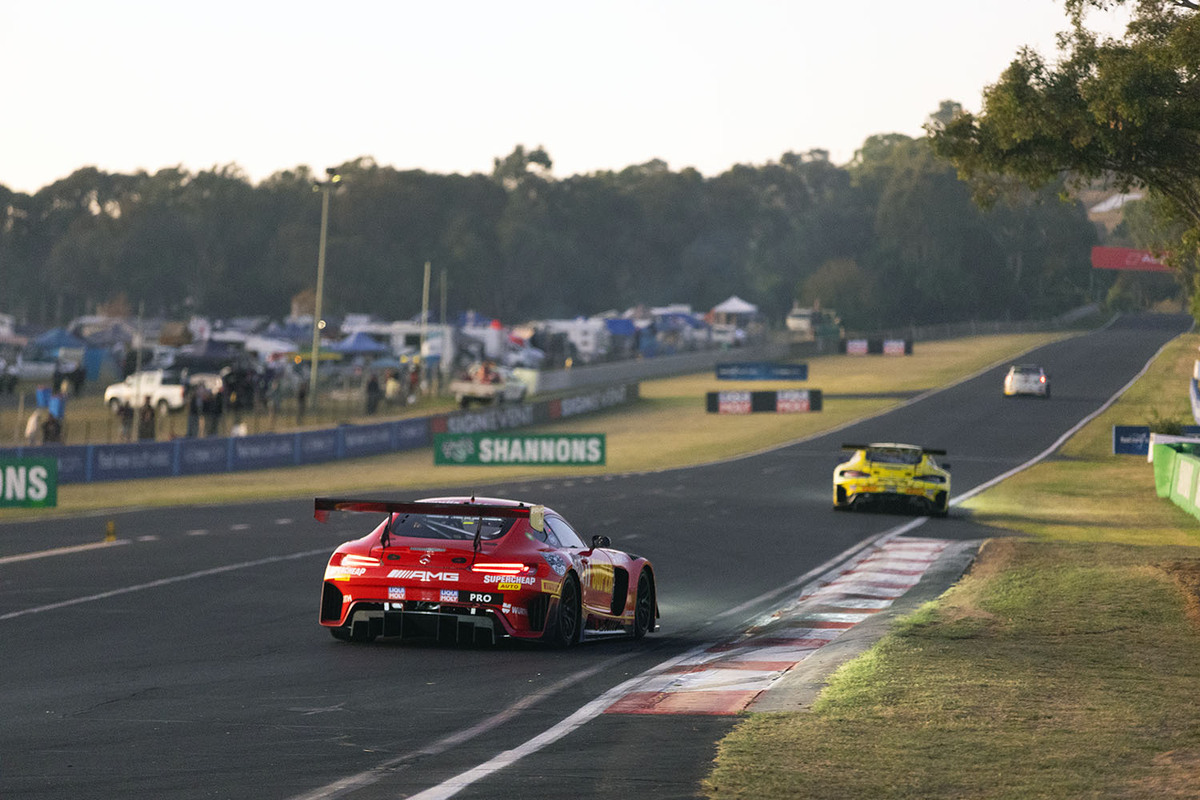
<point x="165" y="388"/>
<point x="499" y="385"/>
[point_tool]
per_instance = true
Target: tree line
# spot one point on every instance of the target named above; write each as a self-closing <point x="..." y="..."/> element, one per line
<point x="891" y="238"/>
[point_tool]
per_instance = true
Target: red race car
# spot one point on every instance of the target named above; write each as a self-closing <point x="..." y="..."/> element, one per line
<point x="466" y="570"/>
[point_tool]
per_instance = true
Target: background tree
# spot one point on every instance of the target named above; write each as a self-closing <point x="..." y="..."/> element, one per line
<point x="1125" y="110"/>
<point x="890" y="238"/>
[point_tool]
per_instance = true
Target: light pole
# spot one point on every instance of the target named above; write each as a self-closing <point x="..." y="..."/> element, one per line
<point x="324" y="187"/>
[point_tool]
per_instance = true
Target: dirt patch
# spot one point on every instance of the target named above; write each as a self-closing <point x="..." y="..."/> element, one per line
<point x="1176" y="775"/>
<point x="1186" y="575"/>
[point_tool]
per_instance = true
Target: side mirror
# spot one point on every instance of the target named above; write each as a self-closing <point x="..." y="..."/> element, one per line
<point x="601" y="541"/>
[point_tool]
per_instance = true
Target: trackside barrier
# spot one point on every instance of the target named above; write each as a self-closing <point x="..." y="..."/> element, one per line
<point x="117" y="462"/>
<point x="1177" y="473"/>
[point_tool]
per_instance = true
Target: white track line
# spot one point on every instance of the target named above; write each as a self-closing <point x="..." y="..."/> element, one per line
<point x="161" y="582"/>
<point x="61" y="551"/>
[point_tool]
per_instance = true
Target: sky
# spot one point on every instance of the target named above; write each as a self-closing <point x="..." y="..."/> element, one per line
<point x="447" y="87"/>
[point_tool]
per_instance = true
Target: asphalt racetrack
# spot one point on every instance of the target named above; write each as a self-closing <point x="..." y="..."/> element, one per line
<point x="185" y="661"/>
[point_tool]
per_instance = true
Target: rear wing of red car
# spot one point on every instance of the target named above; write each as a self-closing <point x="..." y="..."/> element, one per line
<point x="323" y="505"/>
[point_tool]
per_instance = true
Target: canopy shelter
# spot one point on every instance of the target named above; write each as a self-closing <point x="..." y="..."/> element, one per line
<point x="734" y="311"/>
<point x="735" y="305"/>
<point x="359" y="344"/>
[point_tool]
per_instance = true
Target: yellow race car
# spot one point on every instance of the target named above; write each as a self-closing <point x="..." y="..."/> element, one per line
<point x="889" y="475"/>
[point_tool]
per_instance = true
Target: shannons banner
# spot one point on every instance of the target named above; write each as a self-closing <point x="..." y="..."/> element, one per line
<point x="28" y="482"/>
<point x="501" y="449"/>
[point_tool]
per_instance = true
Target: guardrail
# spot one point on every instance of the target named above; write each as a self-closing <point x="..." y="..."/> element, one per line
<point x="197" y="456"/>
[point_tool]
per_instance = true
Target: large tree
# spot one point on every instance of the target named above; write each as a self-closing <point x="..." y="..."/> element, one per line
<point x="1125" y="110"/>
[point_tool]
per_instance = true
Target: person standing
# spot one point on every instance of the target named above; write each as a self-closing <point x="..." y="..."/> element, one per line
<point x="125" y="415"/>
<point x="194" y="399"/>
<point x="391" y="388"/>
<point x="301" y="397"/>
<point x="374" y="393"/>
<point x="33" y="428"/>
<point x="145" y="426"/>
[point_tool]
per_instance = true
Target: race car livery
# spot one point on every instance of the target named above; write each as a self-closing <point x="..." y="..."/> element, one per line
<point x="470" y="570"/>
<point x="1027" y="379"/>
<point x="889" y="475"/>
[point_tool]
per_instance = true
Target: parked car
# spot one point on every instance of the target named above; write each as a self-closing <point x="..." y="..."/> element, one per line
<point x="165" y="388"/>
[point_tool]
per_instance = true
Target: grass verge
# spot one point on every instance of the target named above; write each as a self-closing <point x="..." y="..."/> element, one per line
<point x="1064" y="664"/>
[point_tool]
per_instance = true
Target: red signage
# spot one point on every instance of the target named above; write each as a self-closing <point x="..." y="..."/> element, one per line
<point x="1126" y="258"/>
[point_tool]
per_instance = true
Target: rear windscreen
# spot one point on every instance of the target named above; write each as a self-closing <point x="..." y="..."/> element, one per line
<point x="437" y="526"/>
<point x="895" y="456"/>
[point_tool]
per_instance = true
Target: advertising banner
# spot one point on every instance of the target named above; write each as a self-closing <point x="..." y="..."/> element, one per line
<point x="761" y="371"/>
<point x="1131" y="440"/>
<point x="1126" y="258"/>
<point x="508" y="449"/>
<point x="191" y="456"/>
<point x="1135" y="440"/>
<point x="783" y="401"/>
<point x="876" y="347"/>
<point x="28" y="482"/>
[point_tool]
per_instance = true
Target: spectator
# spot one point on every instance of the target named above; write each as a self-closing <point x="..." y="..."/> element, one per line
<point x="51" y="430"/>
<point x="373" y="394"/>
<point x="145" y="426"/>
<point x="125" y="415"/>
<point x="301" y="397"/>
<point x="78" y="377"/>
<point x="33" y="428"/>
<point x="414" y="383"/>
<point x="194" y="399"/>
<point x="392" y="388"/>
<point x="214" y="406"/>
<point x="274" y="398"/>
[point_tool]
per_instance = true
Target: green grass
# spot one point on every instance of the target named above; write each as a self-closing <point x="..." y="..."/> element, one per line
<point x="1063" y="665"/>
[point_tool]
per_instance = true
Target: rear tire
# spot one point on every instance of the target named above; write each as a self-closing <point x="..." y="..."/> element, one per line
<point x="562" y="627"/>
<point x="643" y="610"/>
<point x="940" y="507"/>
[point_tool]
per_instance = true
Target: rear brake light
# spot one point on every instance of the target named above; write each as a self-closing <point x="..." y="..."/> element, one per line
<point x="351" y="560"/>
<point x="500" y="568"/>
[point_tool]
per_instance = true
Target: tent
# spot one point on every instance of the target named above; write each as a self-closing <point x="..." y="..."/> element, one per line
<point x="359" y="343"/>
<point x="735" y="306"/>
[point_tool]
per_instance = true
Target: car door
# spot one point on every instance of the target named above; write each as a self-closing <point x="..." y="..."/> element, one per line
<point x="595" y="567"/>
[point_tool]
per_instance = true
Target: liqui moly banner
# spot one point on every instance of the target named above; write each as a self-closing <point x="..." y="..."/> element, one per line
<point x="784" y="401"/>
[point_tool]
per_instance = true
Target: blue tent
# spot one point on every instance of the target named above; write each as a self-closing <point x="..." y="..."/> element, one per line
<point x="57" y="339"/>
<point x="359" y="343"/>
<point x="620" y="326"/>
